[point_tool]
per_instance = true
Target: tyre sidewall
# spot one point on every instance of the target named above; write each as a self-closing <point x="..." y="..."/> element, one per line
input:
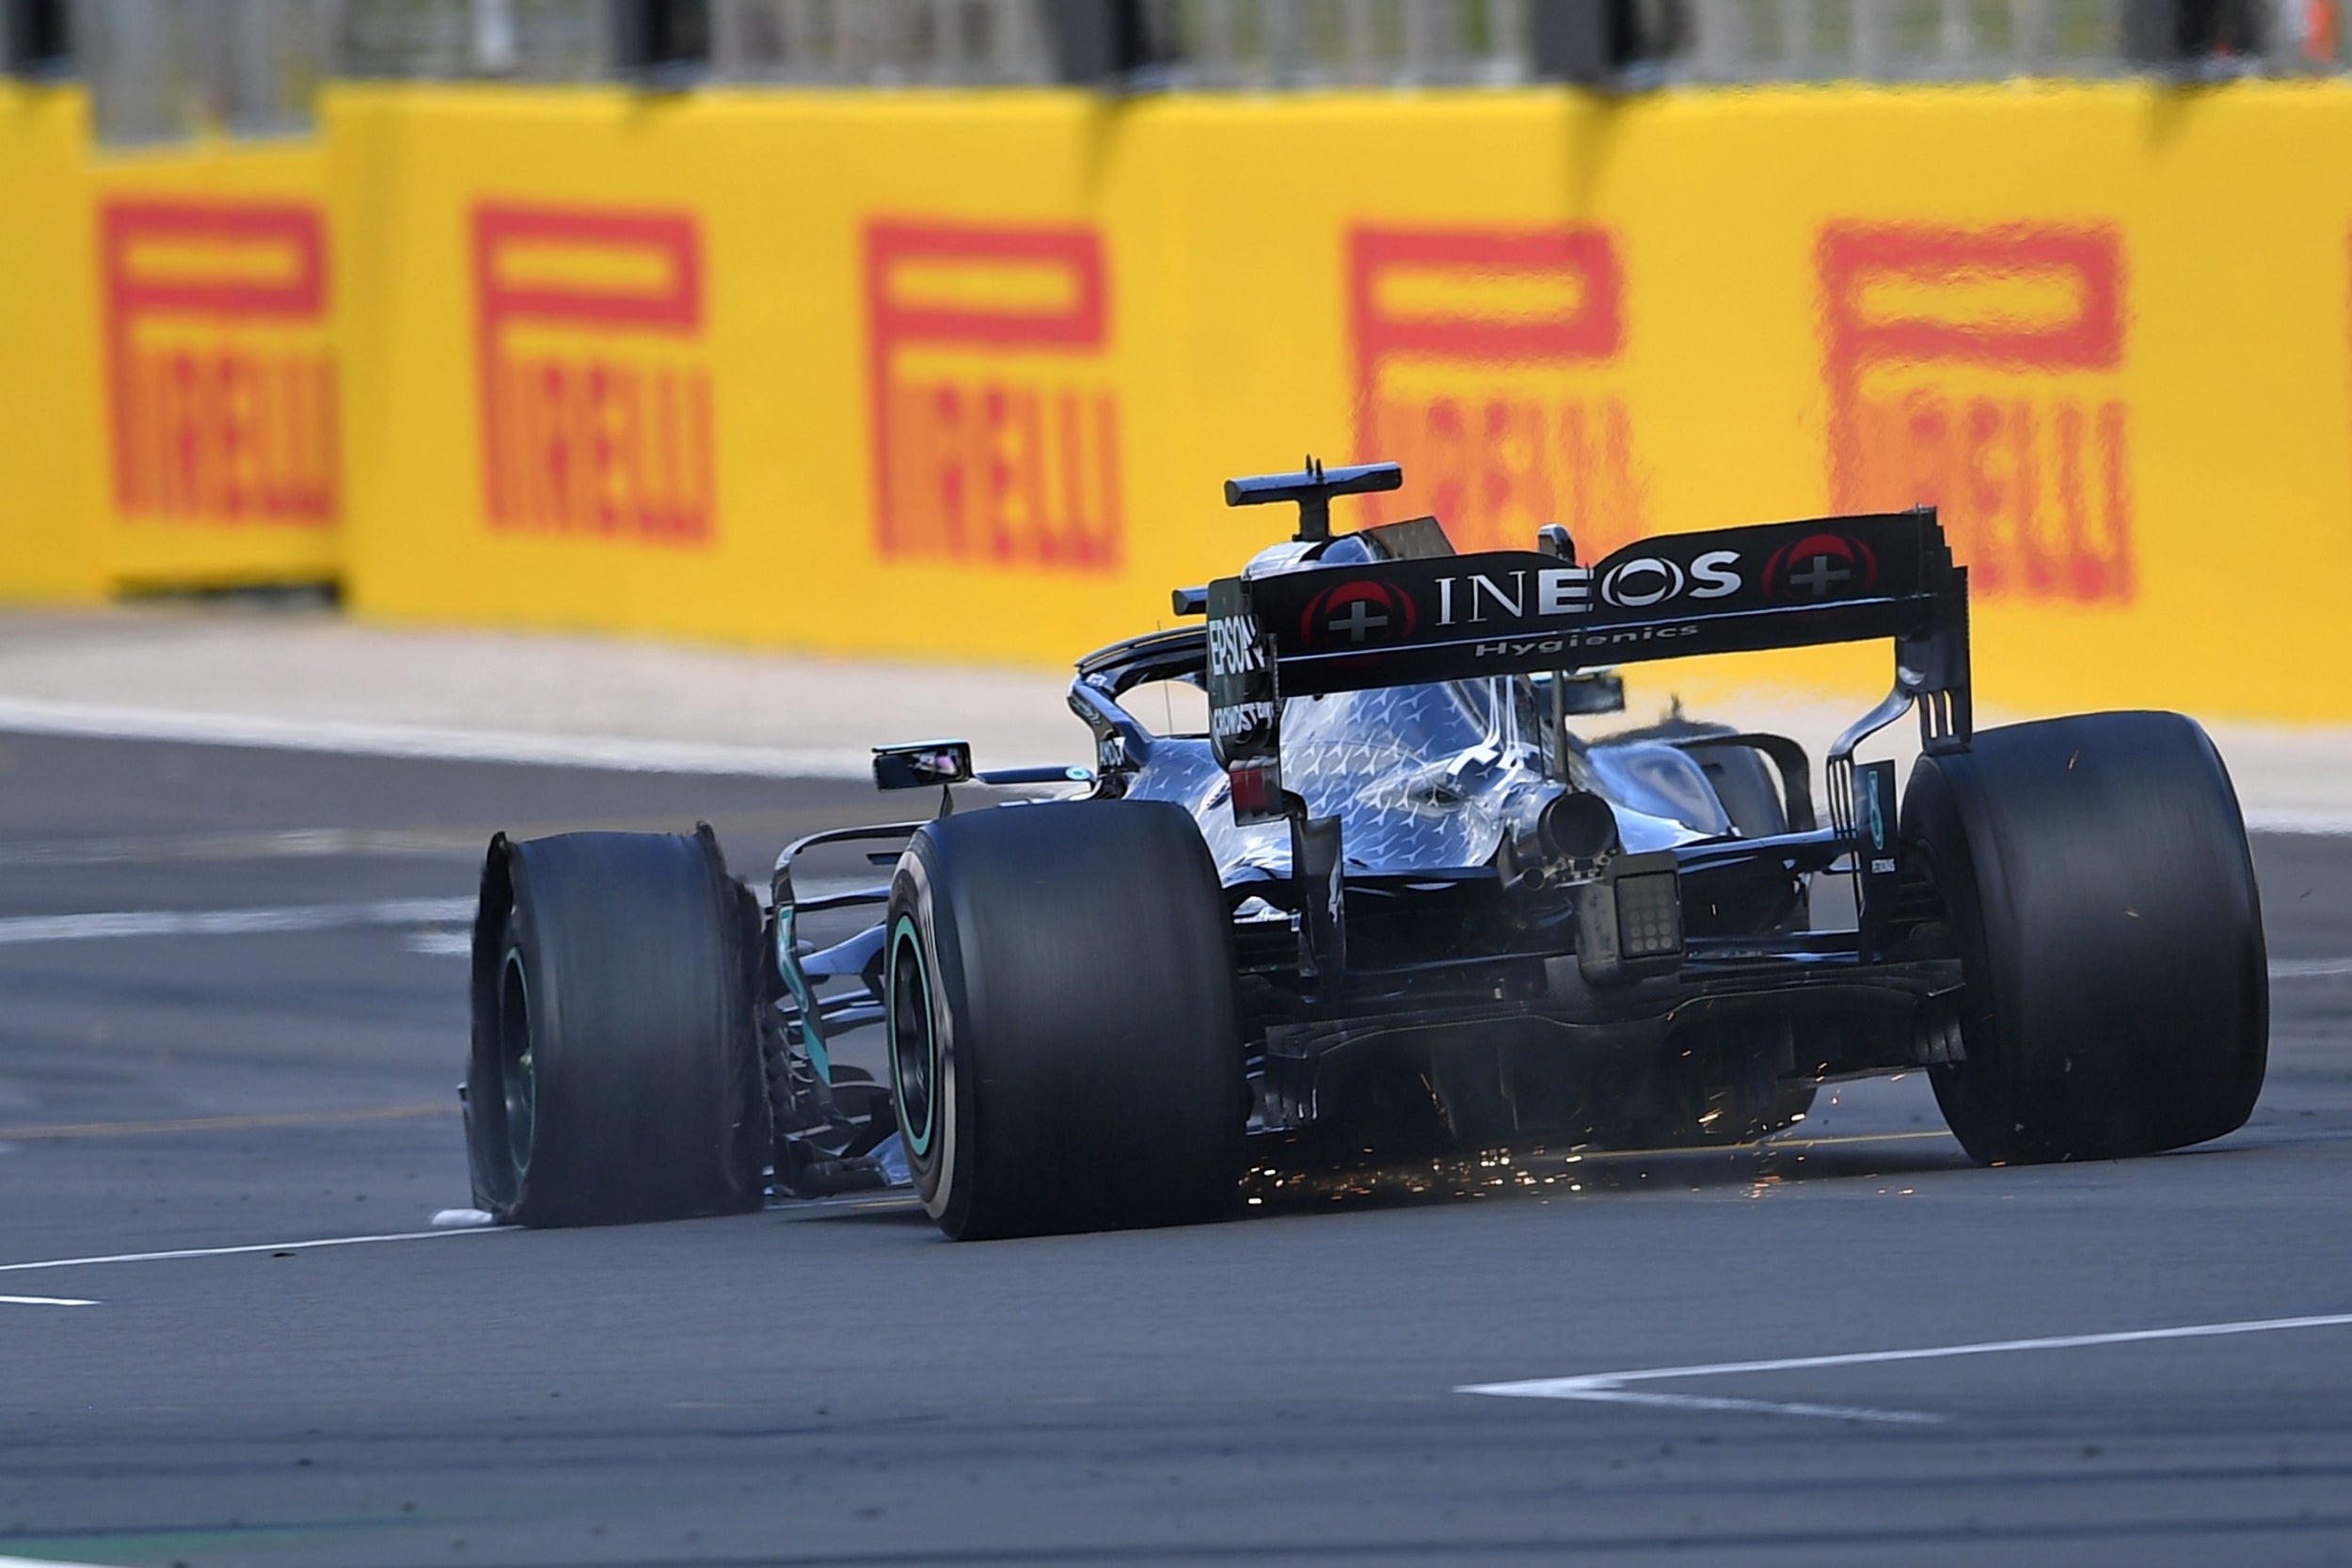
<point x="1976" y="1096"/>
<point x="1084" y="1058"/>
<point x="941" y="1168"/>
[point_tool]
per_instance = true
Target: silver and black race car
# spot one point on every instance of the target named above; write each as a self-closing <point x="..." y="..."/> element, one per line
<point x="1392" y="900"/>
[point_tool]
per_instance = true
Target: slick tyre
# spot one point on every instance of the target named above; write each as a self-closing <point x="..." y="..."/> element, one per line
<point x="2096" y="875"/>
<point x="1059" y="988"/>
<point x="615" y="1073"/>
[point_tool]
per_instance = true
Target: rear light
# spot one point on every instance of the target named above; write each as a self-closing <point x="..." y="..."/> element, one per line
<point x="1649" y="916"/>
<point x="1256" y="793"/>
<point x="1629" y="920"/>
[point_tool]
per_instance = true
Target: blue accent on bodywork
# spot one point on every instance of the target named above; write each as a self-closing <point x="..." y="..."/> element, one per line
<point x="854" y="956"/>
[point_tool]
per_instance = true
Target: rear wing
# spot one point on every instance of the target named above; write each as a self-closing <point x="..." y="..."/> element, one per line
<point x="1774" y="585"/>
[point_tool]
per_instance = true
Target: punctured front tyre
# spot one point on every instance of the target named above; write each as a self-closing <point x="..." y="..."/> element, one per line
<point x="615" y="1073"/>
<point x="1059" y="988"/>
<point x="2096" y="878"/>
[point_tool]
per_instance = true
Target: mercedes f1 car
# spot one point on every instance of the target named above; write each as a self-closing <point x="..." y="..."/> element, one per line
<point x="1392" y="901"/>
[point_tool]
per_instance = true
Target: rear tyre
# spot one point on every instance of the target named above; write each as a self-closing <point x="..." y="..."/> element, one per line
<point x="1064" y="1053"/>
<point x="2096" y="873"/>
<point x="615" y="1073"/>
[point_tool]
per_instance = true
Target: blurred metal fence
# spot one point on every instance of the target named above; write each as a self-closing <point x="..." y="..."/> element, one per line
<point x="1896" y="40"/>
<point x="530" y="40"/>
<point x="1753" y="40"/>
<point x="160" y="70"/>
<point x="1306" y="43"/>
<point x="881" y="42"/>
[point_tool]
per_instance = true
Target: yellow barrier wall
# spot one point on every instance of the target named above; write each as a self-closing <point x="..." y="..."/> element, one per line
<point x="169" y="387"/>
<point x="959" y="374"/>
<point x="221" y="429"/>
<point x="49" y="546"/>
<point x="615" y="361"/>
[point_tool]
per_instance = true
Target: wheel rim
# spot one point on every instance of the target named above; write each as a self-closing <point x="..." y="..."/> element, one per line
<point x="913" y="1041"/>
<point x="519" y="1078"/>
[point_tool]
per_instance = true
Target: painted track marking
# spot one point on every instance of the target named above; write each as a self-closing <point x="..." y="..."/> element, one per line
<point x="216" y="1124"/>
<point x="44" y="1301"/>
<point x="619" y="754"/>
<point x="283" y="844"/>
<point x="2299" y="819"/>
<point x="2309" y="969"/>
<point x="256" y="1247"/>
<point x="1608" y="1387"/>
<point x="1827" y="1140"/>
<point x="233" y="923"/>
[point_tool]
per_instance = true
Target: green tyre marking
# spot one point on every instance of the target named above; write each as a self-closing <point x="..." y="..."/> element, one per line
<point x="918" y="1141"/>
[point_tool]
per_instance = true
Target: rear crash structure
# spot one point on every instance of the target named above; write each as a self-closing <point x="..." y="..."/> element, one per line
<point x="1393" y="900"/>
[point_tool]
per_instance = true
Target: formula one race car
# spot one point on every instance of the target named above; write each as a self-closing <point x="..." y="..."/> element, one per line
<point x="1391" y="900"/>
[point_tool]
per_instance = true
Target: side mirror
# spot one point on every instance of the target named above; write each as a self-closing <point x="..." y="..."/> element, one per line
<point x="922" y="764"/>
<point x="1589" y="692"/>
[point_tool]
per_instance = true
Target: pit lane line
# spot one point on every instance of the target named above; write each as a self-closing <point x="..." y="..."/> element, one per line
<point x="1608" y="1387"/>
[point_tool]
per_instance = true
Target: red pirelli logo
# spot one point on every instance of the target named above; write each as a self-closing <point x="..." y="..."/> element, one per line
<point x="995" y="424"/>
<point x="220" y="382"/>
<point x="595" y="391"/>
<point x="1979" y="370"/>
<point x="1486" y="363"/>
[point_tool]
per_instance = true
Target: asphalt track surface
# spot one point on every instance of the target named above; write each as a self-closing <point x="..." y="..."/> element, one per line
<point x="834" y="1383"/>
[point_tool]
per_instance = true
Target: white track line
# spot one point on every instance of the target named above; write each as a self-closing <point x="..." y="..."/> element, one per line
<point x="258" y="1247"/>
<point x="284" y="844"/>
<point x="1607" y="1387"/>
<point x="233" y="923"/>
<point x="216" y="1124"/>
<point x="2307" y="969"/>
<point x="44" y="1563"/>
<point x="43" y="1301"/>
<point x="620" y="754"/>
<point x="2296" y="820"/>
